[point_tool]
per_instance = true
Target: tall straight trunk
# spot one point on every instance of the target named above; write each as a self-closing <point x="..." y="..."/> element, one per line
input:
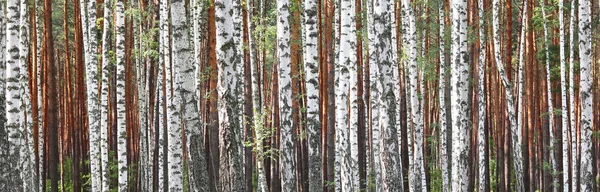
<point x="311" y="69"/>
<point x="3" y="132"/>
<point x="287" y="165"/>
<point x="186" y="84"/>
<point x="572" y="99"/>
<point x="585" y="93"/>
<point x="521" y="82"/>
<point x="550" y="103"/>
<point x="460" y="96"/>
<point x="12" y="102"/>
<point x="257" y="104"/>
<point x="121" y="113"/>
<point x="416" y="174"/>
<point x="374" y="82"/>
<point x="444" y="157"/>
<point x="563" y="101"/>
<point x="28" y="173"/>
<point x="162" y="127"/>
<point x="345" y="73"/>
<point x="231" y="177"/>
<point x="52" y="105"/>
<point x="104" y="99"/>
<point x="173" y="101"/>
<point x="481" y="102"/>
<point x="515" y="129"/>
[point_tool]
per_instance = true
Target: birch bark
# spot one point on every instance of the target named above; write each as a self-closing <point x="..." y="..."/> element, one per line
<point x="585" y="94"/>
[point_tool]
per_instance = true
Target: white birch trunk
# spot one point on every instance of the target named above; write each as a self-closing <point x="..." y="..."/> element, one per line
<point x="88" y="16"/>
<point x="347" y="83"/>
<point x="3" y="132"/>
<point x="515" y="129"/>
<point x="572" y="99"/>
<point x="311" y="70"/>
<point x="287" y="165"/>
<point x="481" y="102"/>
<point x="442" y="99"/>
<point x="563" y="93"/>
<point x="163" y="72"/>
<point x="230" y="168"/>
<point x="12" y="102"/>
<point x="375" y="80"/>
<point x="185" y="70"/>
<point x="460" y="96"/>
<point x="550" y="105"/>
<point x="121" y="113"/>
<point x="416" y="170"/>
<point x="106" y="74"/>
<point x="585" y="93"/>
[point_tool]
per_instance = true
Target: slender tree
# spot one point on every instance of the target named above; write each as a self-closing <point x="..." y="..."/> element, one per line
<point x="515" y="128"/>
<point x="481" y="102"/>
<point x="442" y="96"/>
<point x="563" y="93"/>
<point x="104" y="102"/>
<point x="572" y="99"/>
<point x="121" y="113"/>
<point x="311" y="69"/>
<point x="52" y="105"/>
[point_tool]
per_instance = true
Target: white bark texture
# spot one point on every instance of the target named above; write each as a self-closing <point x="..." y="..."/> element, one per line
<point x="28" y="172"/>
<point x="13" y="97"/>
<point x="481" y="102"/>
<point x="442" y="99"/>
<point x="311" y="70"/>
<point x="287" y="165"/>
<point x="173" y="96"/>
<point x="563" y="101"/>
<point x="121" y="113"/>
<point x="375" y="20"/>
<point x="165" y="58"/>
<point x="585" y="94"/>
<point x="460" y="96"/>
<point x="88" y="16"/>
<point x="106" y="74"/>
<point x="185" y="94"/>
<point x="515" y="129"/>
<point x="230" y="165"/>
<point x="572" y="99"/>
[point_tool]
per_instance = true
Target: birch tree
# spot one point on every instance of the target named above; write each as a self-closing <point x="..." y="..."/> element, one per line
<point x="549" y="90"/>
<point x="230" y="177"/>
<point x="515" y="129"/>
<point x="416" y="173"/>
<point x="12" y="102"/>
<point x="28" y="173"/>
<point x="106" y="73"/>
<point x="375" y="82"/>
<point x="161" y="88"/>
<point x="311" y="70"/>
<point x="481" y="102"/>
<point x="460" y="96"/>
<point x="121" y="113"/>
<point x="585" y="93"/>
<point x="442" y="98"/>
<point x="346" y="134"/>
<point x="88" y="16"/>
<point x="3" y="132"/>
<point x="186" y="82"/>
<point x="572" y="99"/>
<point x="563" y="93"/>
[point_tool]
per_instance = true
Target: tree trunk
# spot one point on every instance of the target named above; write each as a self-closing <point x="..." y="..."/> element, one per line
<point x="481" y="102"/>
<point x="104" y="99"/>
<point x="585" y="93"/>
<point x="311" y="69"/>
<point x="230" y="166"/>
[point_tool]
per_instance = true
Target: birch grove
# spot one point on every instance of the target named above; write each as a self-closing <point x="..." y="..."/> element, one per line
<point x="299" y="95"/>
